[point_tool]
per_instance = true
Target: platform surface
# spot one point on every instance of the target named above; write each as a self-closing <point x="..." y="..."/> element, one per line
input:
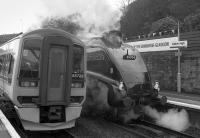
<point x="3" y="131"/>
<point x="6" y="129"/>
<point x="182" y="99"/>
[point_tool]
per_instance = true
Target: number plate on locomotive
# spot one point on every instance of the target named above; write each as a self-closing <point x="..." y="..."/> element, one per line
<point x="129" y="57"/>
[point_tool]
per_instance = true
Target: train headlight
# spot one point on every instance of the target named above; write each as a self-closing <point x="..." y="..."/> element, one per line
<point x="121" y="86"/>
<point x="28" y="83"/>
<point x="77" y="85"/>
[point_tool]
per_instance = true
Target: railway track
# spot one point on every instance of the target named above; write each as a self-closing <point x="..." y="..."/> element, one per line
<point x="146" y="129"/>
<point x="70" y="134"/>
<point x="132" y="131"/>
<point x="19" y="129"/>
<point x="140" y="129"/>
<point x="166" y="130"/>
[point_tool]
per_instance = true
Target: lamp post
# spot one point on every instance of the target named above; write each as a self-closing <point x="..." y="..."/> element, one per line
<point x="179" y="65"/>
<point x="179" y="71"/>
<point x="179" y="44"/>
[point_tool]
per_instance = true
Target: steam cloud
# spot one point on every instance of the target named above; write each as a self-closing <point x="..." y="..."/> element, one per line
<point x="173" y="119"/>
<point x="96" y="16"/>
<point x="96" y="103"/>
<point x="96" y="100"/>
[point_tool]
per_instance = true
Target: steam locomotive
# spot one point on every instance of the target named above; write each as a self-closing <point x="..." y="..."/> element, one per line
<point x="118" y="82"/>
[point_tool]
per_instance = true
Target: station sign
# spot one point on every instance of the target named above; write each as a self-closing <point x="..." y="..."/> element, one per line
<point x="178" y="44"/>
<point x="162" y="44"/>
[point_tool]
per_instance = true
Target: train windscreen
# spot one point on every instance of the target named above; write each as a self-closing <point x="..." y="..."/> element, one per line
<point x="29" y="70"/>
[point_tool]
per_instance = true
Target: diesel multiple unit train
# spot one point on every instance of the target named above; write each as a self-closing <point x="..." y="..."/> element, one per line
<point x="42" y="79"/>
<point x="117" y="81"/>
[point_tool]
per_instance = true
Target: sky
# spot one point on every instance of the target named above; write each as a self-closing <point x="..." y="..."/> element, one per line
<point x="24" y="15"/>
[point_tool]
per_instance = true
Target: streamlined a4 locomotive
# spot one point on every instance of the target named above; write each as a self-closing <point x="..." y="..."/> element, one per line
<point x="118" y="81"/>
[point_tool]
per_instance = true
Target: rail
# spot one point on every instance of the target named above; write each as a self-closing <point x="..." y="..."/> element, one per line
<point x="170" y="131"/>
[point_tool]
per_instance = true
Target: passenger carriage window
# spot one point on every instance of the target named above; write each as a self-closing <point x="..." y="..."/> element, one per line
<point x="6" y="67"/>
<point x="11" y="64"/>
<point x="30" y="60"/>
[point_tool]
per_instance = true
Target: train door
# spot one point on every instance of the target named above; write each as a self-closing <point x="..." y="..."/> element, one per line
<point x="56" y="69"/>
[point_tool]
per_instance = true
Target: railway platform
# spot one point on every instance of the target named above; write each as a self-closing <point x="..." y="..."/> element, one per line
<point x="6" y="129"/>
<point x="182" y="99"/>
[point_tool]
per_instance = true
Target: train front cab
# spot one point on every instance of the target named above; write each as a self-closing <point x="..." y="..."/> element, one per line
<point x="51" y="82"/>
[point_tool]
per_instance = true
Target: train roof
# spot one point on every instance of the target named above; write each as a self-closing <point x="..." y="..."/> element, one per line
<point x="52" y="32"/>
<point x="48" y="32"/>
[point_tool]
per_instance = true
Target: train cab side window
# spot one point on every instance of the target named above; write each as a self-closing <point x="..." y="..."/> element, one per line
<point x="98" y="61"/>
<point x="10" y="67"/>
<point x="30" y="59"/>
<point x="11" y="64"/>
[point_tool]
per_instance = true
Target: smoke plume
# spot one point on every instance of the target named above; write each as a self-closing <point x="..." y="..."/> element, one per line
<point x="96" y="103"/>
<point x="96" y="16"/>
<point x="173" y="119"/>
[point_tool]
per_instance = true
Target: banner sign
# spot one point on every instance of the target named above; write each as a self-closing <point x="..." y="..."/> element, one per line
<point x="162" y="44"/>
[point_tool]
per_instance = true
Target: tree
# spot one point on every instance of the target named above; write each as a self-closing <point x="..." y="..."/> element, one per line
<point x="140" y="14"/>
<point x="164" y="24"/>
<point x="124" y="6"/>
<point x="69" y="24"/>
<point x="192" y="21"/>
<point x="143" y="16"/>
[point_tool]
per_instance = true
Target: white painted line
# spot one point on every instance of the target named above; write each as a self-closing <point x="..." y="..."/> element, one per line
<point x="184" y="104"/>
<point x="8" y="126"/>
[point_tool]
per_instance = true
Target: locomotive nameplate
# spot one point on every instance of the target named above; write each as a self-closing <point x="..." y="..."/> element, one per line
<point x="129" y="57"/>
